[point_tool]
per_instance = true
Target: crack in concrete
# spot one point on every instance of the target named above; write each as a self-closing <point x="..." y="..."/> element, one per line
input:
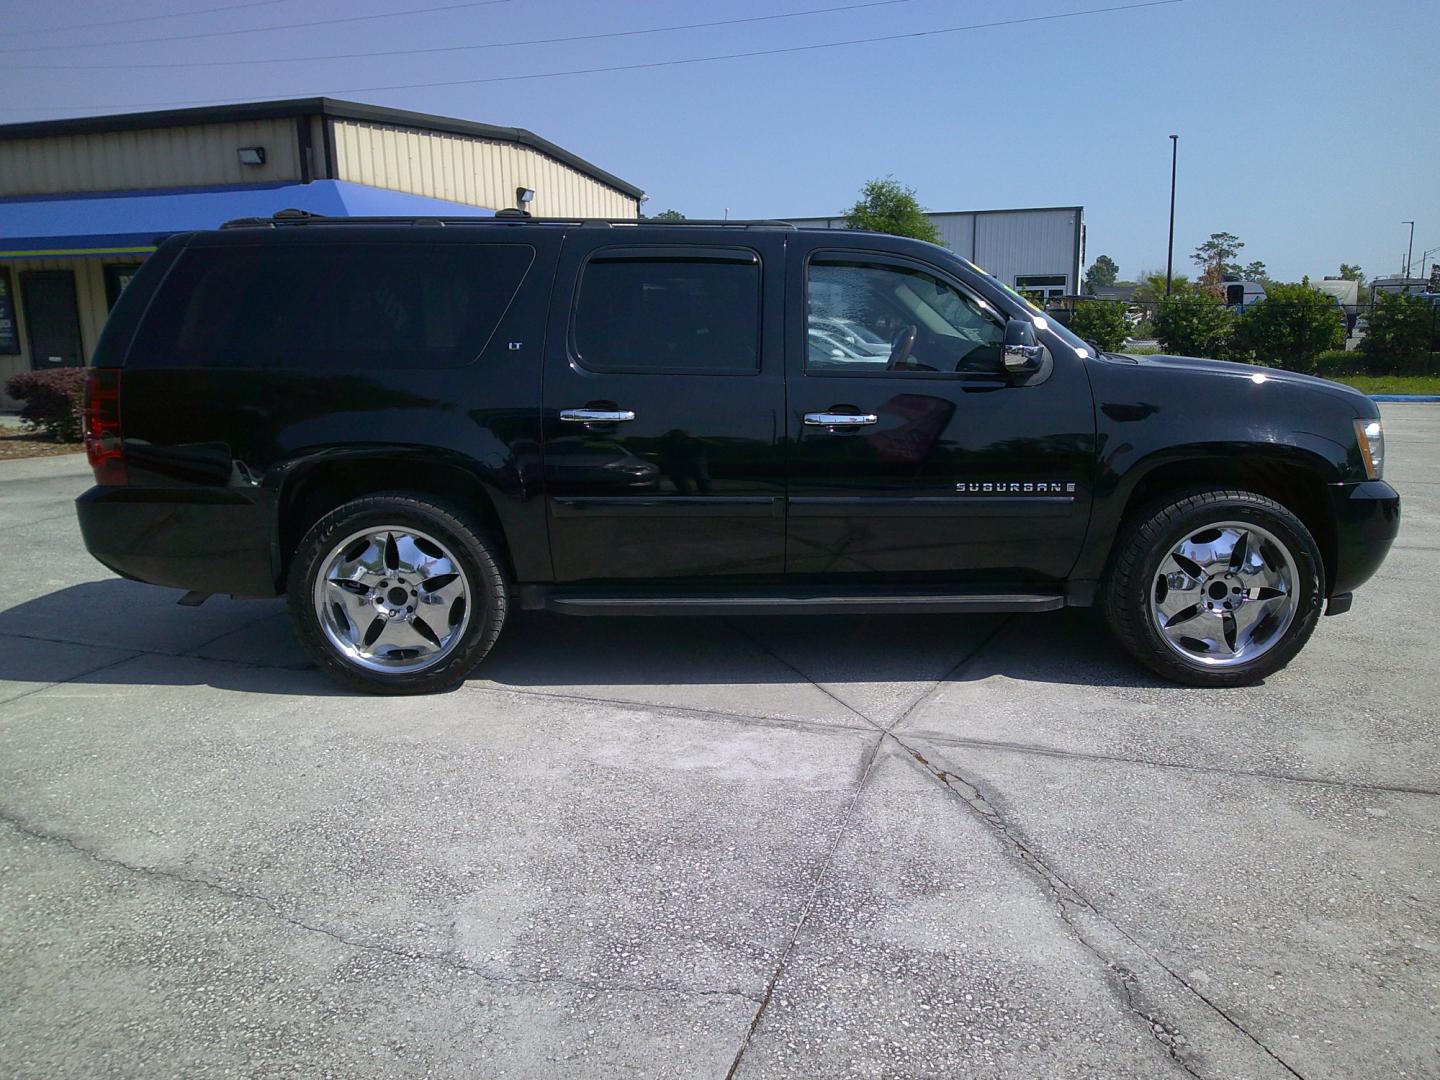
<point x="807" y="909"/>
<point x="1069" y="900"/>
<point x="447" y="960"/>
<point x="78" y="675"/>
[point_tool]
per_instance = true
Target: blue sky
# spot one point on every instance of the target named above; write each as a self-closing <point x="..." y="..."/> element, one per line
<point x="1306" y="128"/>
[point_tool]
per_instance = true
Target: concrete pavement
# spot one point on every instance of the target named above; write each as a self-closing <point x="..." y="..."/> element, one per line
<point x="984" y="847"/>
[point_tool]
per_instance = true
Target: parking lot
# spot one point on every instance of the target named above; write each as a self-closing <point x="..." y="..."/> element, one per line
<point x="938" y="846"/>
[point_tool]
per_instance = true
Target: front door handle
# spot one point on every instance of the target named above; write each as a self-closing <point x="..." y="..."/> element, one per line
<point x="597" y="416"/>
<point x="839" y="419"/>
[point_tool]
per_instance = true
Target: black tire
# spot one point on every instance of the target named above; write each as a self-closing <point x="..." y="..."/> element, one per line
<point x="1146" y="540"/>
<point x="475" y="553"/>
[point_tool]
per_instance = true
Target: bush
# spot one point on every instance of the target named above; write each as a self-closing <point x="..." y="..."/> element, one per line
<point x="1404" y="330"/>
<point x="53" y="400"/>
<point x="1335" y="362"/>
<point x="1102" y="323"/>
<point x="1197" y="324"/>
<point x="1289" y="328"/>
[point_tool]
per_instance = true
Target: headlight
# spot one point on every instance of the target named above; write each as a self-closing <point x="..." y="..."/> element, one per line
<point x="1371" y="437"/>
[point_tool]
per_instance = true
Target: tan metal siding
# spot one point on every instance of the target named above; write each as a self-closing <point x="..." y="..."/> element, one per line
<point x="153" y="158"/>
<point x="476" y="172"/>
<point x="89" y="299"/>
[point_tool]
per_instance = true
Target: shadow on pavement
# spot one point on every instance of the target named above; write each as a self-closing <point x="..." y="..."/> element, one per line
<point x="259" y="651"/>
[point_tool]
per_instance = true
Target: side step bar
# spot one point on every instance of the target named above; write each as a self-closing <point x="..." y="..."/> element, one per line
<point x="787" y="602"/>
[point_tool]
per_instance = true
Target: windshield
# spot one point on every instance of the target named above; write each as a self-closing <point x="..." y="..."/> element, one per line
<point x="1054" y="325"/>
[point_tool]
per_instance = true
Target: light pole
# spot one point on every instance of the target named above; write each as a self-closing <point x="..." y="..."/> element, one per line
<point x="1411" y="249"/>
<point x="1424" y="255"/>
<point x="1170" y="251"/>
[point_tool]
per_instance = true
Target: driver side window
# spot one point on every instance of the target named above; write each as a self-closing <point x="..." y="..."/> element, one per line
<point x="867" y="316"/>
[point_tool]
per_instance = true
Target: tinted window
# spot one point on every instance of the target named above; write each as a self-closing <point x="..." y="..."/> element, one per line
<point x="866" y="317"/>
<point x="331" y="306"/>
<point x="686" y="315"/>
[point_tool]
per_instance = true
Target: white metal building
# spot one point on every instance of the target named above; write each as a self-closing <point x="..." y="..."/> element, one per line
<point x="1039" y="250"/>
<point x="84" y="200"/>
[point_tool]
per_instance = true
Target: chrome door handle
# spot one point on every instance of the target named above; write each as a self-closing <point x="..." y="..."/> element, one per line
<point x="596" y="416"/>
<point x="839" y="419"/>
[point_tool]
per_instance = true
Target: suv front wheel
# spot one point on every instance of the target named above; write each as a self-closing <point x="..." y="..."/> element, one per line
<point x="396" y="594"/>
<point x="1214" y="587"/>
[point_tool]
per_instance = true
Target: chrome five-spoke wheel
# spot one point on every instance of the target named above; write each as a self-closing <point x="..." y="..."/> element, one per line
<point x="1225" y="594"/>
<point x="392" y="599"/>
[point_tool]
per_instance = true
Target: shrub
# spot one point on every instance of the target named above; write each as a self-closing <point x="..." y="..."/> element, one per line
<point x="1335" y="362"/>
<point x="1404" y="330"/>
<point x="53" y="400"/>
<point x="1197" y="324"/>
<point x="1289" y="328"/>
<point x="1102" y="323"/>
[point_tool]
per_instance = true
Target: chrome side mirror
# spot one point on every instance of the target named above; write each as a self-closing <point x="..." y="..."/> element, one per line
<point x="1021" y="354"/>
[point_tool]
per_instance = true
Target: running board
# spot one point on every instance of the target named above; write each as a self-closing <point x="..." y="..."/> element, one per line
<point x="788" y="602"/>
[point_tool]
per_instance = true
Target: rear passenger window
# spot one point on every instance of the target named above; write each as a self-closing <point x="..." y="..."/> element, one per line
<point x="696" y="315"/>
<point x="331" y="306"/>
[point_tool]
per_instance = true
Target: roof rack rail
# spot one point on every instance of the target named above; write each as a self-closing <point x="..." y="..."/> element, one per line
<point x="292" y="218"/>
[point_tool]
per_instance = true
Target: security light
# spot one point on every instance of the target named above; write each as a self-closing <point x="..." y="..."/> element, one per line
<point x="252" y="155"/>
<point x="524" y="195"/>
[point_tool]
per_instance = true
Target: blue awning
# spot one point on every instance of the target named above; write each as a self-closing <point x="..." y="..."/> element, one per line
<point x="116" y="223"/>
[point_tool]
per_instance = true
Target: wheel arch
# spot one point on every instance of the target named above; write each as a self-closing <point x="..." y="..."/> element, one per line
<point x="1294" y="477"/>
<point x="310" y="489"/>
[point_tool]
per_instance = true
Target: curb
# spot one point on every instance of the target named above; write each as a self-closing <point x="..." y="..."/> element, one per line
<point x="1405" y="397"/>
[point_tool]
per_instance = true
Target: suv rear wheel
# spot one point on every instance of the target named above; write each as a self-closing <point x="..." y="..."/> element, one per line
<point x="396" y="594"/>
<point x="1215" y="587"/>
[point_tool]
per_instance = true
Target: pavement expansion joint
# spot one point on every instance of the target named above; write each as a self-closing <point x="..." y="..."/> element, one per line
<point x="721" y="715"/>
<point x="939" y="738"/>
<point x="1074" y="908"/>
<point x="448" y="960"/>
<point x="768" y="651"/>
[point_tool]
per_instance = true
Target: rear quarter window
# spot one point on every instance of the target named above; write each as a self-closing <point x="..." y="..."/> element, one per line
<point x="319" y="306"/>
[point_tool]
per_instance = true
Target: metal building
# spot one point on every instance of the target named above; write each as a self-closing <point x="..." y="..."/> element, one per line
<point x="83" y="201"/>
<point x="1038" y="250"/>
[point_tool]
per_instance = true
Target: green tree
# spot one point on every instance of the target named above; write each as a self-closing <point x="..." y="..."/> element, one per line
<point x="1195" y="324"/>
<point x="1404" y="331"/>
<point x="1214" y="255"/>
<point x="1255" y="271"/>
<point x="1151" y="288"/>
<point x="1103" y="272"/>
<point x="1102" y="323"/>
<point x="888" y="206"/>
<point x="1350" y="272"/>
<point x="1289" y="328"/>
<point x="668" y="215"/>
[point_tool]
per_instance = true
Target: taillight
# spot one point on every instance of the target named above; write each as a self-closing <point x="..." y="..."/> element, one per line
<point x="103" y="444"/>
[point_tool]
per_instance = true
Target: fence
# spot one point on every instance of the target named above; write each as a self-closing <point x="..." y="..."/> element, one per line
<point x="1409" y="342"/>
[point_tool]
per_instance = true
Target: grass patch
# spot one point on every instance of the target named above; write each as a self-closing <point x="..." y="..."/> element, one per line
<point x="1392" y="384"/>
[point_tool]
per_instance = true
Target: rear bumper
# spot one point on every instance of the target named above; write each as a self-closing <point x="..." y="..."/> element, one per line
<point x="1367" y="517"/>
<point x="212" y="541"/>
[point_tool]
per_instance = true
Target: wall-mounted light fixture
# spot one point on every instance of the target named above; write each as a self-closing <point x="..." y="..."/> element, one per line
<point x="252" y="155"/>
<point x="524" y="196"/>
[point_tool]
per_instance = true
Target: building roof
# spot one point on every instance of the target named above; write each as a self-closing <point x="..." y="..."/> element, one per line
<point x="131" y="222"/>
<point x="315" y="106"/>
<point x="952" y="213"/>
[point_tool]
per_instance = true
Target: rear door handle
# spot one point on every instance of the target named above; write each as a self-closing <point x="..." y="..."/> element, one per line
<point x="597" y="416"/>
<point x="839" y="419"/>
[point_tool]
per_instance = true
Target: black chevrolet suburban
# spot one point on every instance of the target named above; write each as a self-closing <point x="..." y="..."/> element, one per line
<point x="410" y="426"/>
